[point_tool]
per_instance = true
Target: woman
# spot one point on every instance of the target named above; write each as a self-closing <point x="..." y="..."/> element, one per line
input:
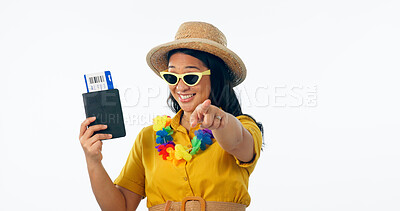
<point x="203" y="156"/>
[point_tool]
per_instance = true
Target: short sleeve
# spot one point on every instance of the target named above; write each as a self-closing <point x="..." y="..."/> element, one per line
<point x="255" y="132"/>
<point x="132" y="176"/>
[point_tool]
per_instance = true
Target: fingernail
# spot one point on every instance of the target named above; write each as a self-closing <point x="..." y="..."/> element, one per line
<point x="109" y="135"/>
<point x="104" y="126"/>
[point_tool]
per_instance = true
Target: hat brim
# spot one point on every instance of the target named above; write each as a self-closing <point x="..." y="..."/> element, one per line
<point x="158" y="61"/>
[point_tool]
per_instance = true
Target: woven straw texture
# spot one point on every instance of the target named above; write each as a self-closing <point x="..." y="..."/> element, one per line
<point x="203" y="37"/>
<point x="195" y="206"/>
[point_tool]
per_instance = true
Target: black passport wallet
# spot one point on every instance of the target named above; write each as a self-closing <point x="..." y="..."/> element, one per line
<point x="106" y="107"/>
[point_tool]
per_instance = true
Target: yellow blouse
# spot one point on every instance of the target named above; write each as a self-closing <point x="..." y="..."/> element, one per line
<point x="213" y="174"/>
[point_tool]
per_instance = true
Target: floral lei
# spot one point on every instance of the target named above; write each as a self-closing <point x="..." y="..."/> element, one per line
<point x="176" y="152"/>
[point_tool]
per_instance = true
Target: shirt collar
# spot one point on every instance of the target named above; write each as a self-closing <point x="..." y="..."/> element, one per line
<point x="176" y="123"/>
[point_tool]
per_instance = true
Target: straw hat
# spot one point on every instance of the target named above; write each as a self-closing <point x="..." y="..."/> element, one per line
<point x="203" y="37"/>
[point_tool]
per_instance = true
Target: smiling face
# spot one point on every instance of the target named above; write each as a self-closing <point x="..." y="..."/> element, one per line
<point x="189" y="97"/>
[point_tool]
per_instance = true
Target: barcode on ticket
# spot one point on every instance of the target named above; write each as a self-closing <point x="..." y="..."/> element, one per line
<point x="98" y="81"/>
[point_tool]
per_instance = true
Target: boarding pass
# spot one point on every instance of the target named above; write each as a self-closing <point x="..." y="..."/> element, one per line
<point x="98" y="81"/>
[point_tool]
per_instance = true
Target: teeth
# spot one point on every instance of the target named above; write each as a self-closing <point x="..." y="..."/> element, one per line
<point x="186" y="96"/>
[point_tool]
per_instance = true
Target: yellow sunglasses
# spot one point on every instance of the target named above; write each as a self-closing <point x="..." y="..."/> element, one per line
<point x="190" y="79"/>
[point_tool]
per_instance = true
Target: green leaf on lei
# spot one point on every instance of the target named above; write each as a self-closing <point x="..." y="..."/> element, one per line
<point x="195" y="145"/>
<point x="169" y="130"/>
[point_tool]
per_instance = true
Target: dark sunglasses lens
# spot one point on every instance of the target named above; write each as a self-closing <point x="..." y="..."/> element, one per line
<point x="191" y="79"/>
<point x="170" y="78"/>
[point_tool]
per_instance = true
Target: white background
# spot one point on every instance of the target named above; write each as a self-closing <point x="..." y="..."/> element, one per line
<point x="341" y="153"/>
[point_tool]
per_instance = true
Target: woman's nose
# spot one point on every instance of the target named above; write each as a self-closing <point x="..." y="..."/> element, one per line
<point x="181" y="86"/>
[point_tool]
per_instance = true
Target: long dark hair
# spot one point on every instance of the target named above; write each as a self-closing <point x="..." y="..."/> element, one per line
<point x="222" y="94"/>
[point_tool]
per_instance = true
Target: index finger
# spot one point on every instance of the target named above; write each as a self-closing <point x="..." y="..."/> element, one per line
<point x="193" y="118"/>
<point x="200" y="110"/>
<point x="205" y="105"/>
<point x="85" y="124"/>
